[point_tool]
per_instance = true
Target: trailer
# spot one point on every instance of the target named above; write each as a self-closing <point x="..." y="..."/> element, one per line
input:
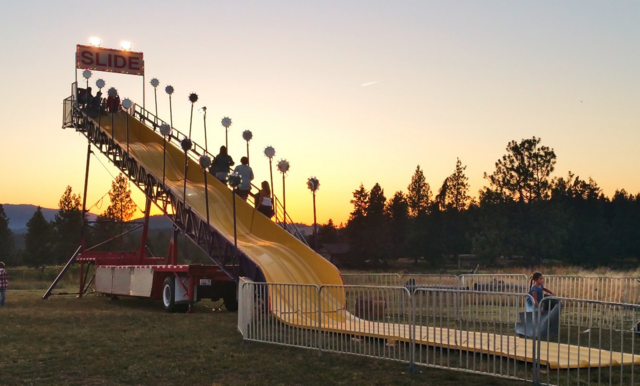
<point x="179" y="286"/>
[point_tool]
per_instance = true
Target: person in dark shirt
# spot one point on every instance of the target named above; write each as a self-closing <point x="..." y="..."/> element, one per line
<point x="536" y="290"/>
<point x="221" y="164"/>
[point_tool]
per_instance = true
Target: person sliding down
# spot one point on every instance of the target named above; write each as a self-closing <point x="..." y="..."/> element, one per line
<point x="536" y="290"/>
<point x="221" y="164"/>
<point x="263" y="200"/>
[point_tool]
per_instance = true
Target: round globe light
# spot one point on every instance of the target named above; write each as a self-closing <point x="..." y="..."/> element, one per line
<point x="247" y="135"/>
<point x="283" y="166"/>
<point x="100" y="83"/>
<point x="234" y="180"/>
<point x="313" y="184"/>
<point x="193" y="97"/>
<point x="86" y="74"/>
<point x="269" y="151"/>
<point x="155" y="82"/>
<point x="186" y="144"/>
<point x="205" y="161"/>
<point x="165" y="129"/>
<point x="169" y="89"/>
<point x="226" y="122"/>
<point x="126" y="103"/>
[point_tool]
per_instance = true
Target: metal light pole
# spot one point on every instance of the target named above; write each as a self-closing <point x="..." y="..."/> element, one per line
<point x="226" y="122"/>
<point x="270" y="152"/>
<point x="247" y="135"/>
<point x="87" y="75"/>
<point x="155" y="83"/>
<point x="186" y="146"/>
<point x="126" y="103"/>
<point x="205" y="162"/>
<point x="203" y="111"/>
<point x="283" y="167"/>
<point x="100" y="83"/>
<point x="234" y="181"/>
<point x="313" y="184"/>
<point x="169" y="90"/>
<point x="193" y="98"/>
<point x="165" y="130"/>
<point x="113" y="93"/>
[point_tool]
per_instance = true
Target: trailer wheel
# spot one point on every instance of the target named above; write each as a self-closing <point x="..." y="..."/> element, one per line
<point x="230" y="297"/>
<point x="169" y="295"/>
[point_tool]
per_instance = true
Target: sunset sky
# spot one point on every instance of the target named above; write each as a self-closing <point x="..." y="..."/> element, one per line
<point x="349" y="91"/>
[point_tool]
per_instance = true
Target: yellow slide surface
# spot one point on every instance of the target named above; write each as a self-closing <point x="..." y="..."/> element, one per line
<point x="284" y="259"/>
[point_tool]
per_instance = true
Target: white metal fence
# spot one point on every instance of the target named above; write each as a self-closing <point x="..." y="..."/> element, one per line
<point x="600" y="288"/>
<point x="608" y="338"/>
<point x="462" y="330"/>
<point x="375" y="279"/>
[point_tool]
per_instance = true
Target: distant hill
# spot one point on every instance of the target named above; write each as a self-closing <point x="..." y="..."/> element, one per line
<point x="19" y="215"/>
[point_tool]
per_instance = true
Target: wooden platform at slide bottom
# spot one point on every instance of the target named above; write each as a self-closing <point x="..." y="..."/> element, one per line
<point x="553" y="355"/>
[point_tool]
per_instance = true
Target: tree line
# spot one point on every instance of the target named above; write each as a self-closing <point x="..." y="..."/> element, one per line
<point x="522" y="213"/>
<point x="55" y="241"/>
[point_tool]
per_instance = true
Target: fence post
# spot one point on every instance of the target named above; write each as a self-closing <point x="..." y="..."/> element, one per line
<point x="412" y="330"/>
<point x="537" y="343"/>
<point x="319" y="292"/>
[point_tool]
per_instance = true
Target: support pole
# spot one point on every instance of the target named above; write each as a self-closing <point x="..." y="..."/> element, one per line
<point x="145" y="231"/>
<point x="206" y="194"/>
<point x="315" y="223"/>
<point x="271" y="175"/>
<point x="174" y="256"/>
<point x="81" y="279"/>
<point x="284" y="203"/>
<point x="84" y="198"/>
<point x="164" y="159"/>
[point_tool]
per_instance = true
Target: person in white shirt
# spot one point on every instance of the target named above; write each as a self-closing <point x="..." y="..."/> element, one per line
<point x="246" y="176"/>
<point x="263" y="200"/>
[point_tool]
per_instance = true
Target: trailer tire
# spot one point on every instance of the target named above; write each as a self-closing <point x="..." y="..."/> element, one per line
<point x="230" y="297"/>
<point x="169" y="295"/>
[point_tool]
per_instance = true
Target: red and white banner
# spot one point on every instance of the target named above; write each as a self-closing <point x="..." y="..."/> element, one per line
<point x="110" y="60"/>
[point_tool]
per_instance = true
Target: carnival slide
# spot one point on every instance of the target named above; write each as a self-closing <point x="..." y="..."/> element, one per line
<point x="284" y="259"/>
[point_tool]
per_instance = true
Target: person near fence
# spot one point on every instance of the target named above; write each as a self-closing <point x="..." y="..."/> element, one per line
<point x="246" y="176"/>
<point x="536" y="290"/>
<point x="264" y="204"/>
<point x="4" y="283"/>
<point x="221" y="164"/>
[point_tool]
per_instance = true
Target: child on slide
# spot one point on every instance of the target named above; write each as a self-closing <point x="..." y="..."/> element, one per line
<point x="536" y="290"/>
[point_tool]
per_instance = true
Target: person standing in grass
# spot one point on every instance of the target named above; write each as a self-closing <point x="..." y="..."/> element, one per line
<point x="536" y="290"/>
<point x="4" y="283"/>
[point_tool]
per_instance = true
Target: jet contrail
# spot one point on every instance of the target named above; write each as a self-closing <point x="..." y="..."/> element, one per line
<point x="368" y="84"/>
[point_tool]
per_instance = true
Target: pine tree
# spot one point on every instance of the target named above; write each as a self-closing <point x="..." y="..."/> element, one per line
<point x="418" y="194"/>
<point x="121" y="207"/>
<point x="67" y="225"/>
<point x="454" y="193"/>
<point x="328" y="234"/>
<point x="523" y="174"/>
<point x="398" y="213"/>
<point x="7" y="247"/>
<point x="38" y="246"/>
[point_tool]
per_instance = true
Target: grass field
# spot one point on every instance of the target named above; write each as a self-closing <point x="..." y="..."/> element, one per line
<point x="96" y="341"/>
